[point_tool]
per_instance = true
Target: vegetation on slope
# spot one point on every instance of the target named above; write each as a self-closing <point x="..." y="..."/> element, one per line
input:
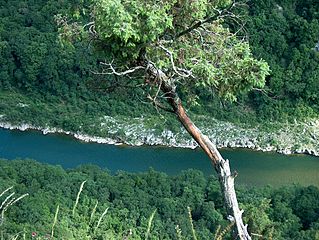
<point x="285" y="213"/>
<point x="286" y="35"/>
<point x="35" y="64"/>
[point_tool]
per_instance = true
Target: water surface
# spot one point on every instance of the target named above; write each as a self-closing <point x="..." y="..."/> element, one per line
<point x="254" y="168"/>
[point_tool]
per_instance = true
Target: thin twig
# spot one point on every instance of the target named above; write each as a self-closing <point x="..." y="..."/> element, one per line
<point x="93" y="211"/>
<point x="191" y="222"/>
<point x="199" y="23"/>
<point x="179" y="71"/>
<point x="6" y="191"/>
<point x="159" y="105"/>
<point x="112" y="71"/>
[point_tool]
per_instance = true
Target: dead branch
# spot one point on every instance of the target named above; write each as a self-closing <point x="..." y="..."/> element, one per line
<point x="179" y="71"/>
<point x="111" y="71"/>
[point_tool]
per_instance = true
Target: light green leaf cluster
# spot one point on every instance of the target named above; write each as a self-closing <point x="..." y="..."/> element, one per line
<point x="221" y="3"/>
<point x="188" y="11"/>
<point x="131" y="24"/>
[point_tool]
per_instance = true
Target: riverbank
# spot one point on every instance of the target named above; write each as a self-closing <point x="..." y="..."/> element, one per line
<point x="285" y="138"/>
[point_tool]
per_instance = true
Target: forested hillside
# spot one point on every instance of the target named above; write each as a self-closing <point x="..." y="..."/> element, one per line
<point x="41" y="76"/>
<point x="279" y="214"/>
<point x="286" y="35"/>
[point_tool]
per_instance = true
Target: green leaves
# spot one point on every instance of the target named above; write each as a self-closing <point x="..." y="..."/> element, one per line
<point x="285" y="33"/>
<point x="131" y="199"/>
<point x="114" y="21"/>
<point x="210" y="52"/>
<point x="130" y="24"/>
<point x="217" y="60"/>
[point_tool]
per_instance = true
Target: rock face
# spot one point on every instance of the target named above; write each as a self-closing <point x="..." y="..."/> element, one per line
<point x="288" y="139"/>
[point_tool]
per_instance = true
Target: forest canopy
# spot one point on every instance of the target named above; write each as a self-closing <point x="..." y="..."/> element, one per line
<point x="36" y="64"/>
<point x="278" y="213"/>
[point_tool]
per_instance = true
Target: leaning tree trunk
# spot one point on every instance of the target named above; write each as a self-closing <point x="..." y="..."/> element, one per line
<point x="226" y="178"/>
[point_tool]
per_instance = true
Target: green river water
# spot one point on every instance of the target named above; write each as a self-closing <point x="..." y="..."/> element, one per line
<point x="254" y="168"/>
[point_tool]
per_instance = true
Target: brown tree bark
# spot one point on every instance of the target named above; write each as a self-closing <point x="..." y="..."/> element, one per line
<point x="222" y="167"/>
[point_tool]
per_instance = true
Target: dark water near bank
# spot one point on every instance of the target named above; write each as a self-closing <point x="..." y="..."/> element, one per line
<point x="254" y="168"/>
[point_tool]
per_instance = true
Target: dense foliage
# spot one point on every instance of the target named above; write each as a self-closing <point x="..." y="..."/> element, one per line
<point x="285" y="213"/>
<point x="206" y="58"/>
<point x="38" y="68"/>
<point x="31" y="57"/>
<point x="286" y="35"/>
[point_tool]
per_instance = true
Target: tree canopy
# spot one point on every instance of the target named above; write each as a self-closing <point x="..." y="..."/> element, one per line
<point x="187" y="40"/>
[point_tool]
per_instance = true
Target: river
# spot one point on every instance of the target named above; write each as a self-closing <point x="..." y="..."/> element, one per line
<point x="254" y="168"/>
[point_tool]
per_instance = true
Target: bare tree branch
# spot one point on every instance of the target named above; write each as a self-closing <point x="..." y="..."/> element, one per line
<point x="179" y="71"/>
<point x="111" y="71"/>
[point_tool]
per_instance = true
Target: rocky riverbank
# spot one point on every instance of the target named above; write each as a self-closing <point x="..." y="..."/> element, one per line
<point x="286" y="138"/>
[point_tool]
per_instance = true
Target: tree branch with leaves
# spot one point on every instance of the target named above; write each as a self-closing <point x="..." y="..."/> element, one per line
<point x="174" y="47"/>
